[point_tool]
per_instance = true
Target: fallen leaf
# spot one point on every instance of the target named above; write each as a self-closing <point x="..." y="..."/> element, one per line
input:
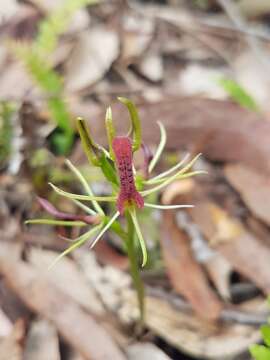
<point x="95" y="51"/>
<point x="64" y="273"/>
<point x="151" y="67"/>
<point x="253" y="187"/>
<point x="185" y="274"/>
<point x="195" y="337"/>
<point x="6" y="324"/>
<point x="42" y="342"/>
<point x="78" y="328"/>
<point x="241" y="249"/>
<point x="137" y="35"/>
<point x="11" y="346"/>
<point x="145" y="351"/>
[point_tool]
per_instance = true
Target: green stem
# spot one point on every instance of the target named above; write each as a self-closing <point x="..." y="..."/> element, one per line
<point x="134" y="267"/>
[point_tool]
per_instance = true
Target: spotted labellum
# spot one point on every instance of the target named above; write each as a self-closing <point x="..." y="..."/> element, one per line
<point x="128" y="194"/>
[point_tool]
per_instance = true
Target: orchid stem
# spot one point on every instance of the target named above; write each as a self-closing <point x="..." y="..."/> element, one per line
<point x="134" y="267"/>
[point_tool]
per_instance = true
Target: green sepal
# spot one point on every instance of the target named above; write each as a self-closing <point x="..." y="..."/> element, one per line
<point x="108" y="169"/>
<point x="110" y="131"/>
<point x="136" y="123"/>
<point x="89" y="146"/>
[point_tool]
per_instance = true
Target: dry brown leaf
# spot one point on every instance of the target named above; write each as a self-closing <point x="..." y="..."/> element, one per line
<point x="107" y="255"/>
<point x="253" y="187"/>
<point x="78" y="328"/>
<point x="185" y="273"/>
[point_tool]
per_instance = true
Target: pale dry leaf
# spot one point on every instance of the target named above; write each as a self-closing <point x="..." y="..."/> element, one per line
<point x="5" y="325"/>
<point x="137" y="35"/>
<point x="8" y="10"/>
<point x="219" y="270"/>
<point x="42" y="342"/>
<point x="252" y="77"/>
<point x="230" y="238"/>
<point x="151" y="67"/>
<point x="202" y="80"/>
<point x="11" y="346"/>
<point x="197" y="338"/>
<point x="75" y="325"/>
<point x="145" y="351"/>
<point x="253" y="187"/>
<point x="64" y="273"/>
<point x="96" y="49"/>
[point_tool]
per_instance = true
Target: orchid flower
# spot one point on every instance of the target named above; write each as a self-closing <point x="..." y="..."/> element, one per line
<point x="130" y="188"/>
<point x="126" y="197"/>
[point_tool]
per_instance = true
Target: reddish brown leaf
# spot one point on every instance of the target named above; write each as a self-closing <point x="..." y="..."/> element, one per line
<point x="185" y="274"/>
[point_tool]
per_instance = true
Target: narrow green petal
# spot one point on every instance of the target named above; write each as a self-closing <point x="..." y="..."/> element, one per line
<point x="106" y="227"/>
<point x="167" y="207"/>
<point x="172" y="178"/>
<point x="140" y="236"/>
<point x="179" y="177"/>
<point x="87" y="209"/>
<point x="136" y="123"/>
<point x="169" y="171"/>
<point x="82" y="197"/>
<point x="80" y="241"/>
<point x="89" y="146"/>
<point x="160" y="148"/>
<point x="85" y="184"/>
<point x="56" y="222"/>
<point x="110" y="130"/>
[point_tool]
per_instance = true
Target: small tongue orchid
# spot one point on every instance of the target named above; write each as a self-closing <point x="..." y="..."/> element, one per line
<point x="128" y="195"/>
<point x="118" y="168"/>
